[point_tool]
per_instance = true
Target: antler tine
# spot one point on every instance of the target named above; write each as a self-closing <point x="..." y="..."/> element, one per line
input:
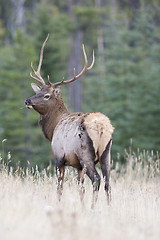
<point x="41" y="55"/>
<point x="85" y="58"/>
<point x="37" y="73"/>
<point x="81" y="73"/>
<point x="92" y="64"/>
<point x="49" y="80"/>
<point x="35" y="78"/>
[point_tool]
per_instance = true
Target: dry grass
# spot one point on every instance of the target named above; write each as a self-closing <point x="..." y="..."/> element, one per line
<point x="29" y="208"/>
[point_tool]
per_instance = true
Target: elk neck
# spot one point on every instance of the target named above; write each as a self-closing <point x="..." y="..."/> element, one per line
<point x="49" y="121"/>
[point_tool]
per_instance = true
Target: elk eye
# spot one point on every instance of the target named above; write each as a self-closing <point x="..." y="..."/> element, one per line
<point x="46" y="96"/>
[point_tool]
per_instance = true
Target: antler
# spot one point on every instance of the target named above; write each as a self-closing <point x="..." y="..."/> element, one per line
<point x="86" y="68"/>
<point x="37" y="73"/>
<point x="40" y="79"/>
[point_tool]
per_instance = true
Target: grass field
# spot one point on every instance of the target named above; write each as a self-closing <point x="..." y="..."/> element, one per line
<point x="29" y="208"/>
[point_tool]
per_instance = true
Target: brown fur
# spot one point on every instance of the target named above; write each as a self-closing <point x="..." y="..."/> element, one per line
<point x="77" y="139"/>
<point x="49" y="121"/>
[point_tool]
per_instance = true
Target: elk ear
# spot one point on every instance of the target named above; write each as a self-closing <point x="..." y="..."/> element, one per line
<point x="35" y="87"/>
<point x="57" y="92"/>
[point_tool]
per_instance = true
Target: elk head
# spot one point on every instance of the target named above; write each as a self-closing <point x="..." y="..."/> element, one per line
<point x="47" y="96"/>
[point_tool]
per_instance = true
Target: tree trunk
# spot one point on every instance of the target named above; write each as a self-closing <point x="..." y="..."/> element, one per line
<point x="78" y="83"/>
<point x="100" y="41"/>
<point x="70" y="88"/>
<point x="17" y="19"/>
<point x="74" y="90"/>
<point x="78" y="49"/>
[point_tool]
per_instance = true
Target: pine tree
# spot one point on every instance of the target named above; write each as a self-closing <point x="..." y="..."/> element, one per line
<point x="18" y="126"/>
<point x="129" y="94"/>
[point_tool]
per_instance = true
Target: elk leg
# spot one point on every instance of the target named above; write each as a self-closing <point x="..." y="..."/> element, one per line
<point x="95" y="178"/>
<point x="59" y="165"/>
<point x="86" y="156"/>
<point x="60" y="178"/>
<point x="105" y="166"/>
<point x="81" y="173"/>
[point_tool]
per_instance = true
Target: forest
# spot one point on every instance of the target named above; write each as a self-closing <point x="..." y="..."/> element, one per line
<point x="124" y="83"/>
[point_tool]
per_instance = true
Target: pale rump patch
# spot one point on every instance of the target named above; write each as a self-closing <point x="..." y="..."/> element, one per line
<point x="99" y="129"/>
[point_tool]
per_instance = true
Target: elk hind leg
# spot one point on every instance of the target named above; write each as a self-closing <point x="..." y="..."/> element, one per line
<point x="88" y="164"/>
<point x="96" y="179"/>
<point x="105" y="166"/>
<point x="86" y="155"/>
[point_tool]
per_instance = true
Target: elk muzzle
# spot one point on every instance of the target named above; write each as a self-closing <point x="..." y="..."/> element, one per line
<point x="28" y="103"/>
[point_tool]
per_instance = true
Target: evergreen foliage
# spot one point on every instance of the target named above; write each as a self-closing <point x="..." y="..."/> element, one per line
<point x="129" y="93"/>
<point x="124" y="84"/>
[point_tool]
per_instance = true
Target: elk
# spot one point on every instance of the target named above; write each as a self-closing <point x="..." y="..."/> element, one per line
<point x="80" y="140"/>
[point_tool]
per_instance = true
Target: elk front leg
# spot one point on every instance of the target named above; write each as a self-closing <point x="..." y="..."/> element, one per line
<point x="81" y="173"/>
<point x="105" y="166"/>
<point x="60" y="178"/>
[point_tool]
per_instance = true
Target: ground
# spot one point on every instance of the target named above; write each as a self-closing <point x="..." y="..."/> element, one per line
<point x="29" y="208"/>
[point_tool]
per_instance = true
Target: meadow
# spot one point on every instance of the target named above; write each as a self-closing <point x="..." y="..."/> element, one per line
<point x="29" y="207"/>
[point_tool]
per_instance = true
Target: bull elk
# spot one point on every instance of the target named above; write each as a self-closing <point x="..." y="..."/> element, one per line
<point x="77" y="139"/>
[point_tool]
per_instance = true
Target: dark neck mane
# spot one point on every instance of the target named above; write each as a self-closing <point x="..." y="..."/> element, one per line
<point x="49" y="121"/>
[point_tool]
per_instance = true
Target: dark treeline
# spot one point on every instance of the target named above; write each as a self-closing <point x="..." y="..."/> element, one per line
<point x="124" y="83"/>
